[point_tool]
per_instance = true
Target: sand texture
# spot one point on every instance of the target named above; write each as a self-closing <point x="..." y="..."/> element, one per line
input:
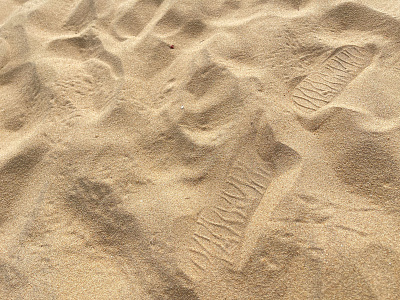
<point x="199" y="149"/>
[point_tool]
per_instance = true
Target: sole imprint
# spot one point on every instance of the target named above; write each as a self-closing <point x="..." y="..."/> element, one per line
<point x="219" y="229"/>
<point x="328" y="81"/>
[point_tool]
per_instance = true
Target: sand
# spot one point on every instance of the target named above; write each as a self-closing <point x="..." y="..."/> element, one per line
<point x="199" y="149"/>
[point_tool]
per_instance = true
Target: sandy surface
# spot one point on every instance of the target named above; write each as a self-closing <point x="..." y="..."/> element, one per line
<point x="199" y="149"/>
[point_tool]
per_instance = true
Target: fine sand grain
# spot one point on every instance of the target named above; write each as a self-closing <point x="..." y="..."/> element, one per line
<point x="199" y="149"/>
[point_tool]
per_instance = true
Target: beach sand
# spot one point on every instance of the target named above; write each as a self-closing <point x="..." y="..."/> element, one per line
<point x="199" y="149"/>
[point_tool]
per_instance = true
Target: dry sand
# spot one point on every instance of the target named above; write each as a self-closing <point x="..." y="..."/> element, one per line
<point x="199" y="149"/>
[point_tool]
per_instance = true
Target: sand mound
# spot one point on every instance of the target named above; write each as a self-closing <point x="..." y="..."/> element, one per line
<point x="159" y="149"/>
